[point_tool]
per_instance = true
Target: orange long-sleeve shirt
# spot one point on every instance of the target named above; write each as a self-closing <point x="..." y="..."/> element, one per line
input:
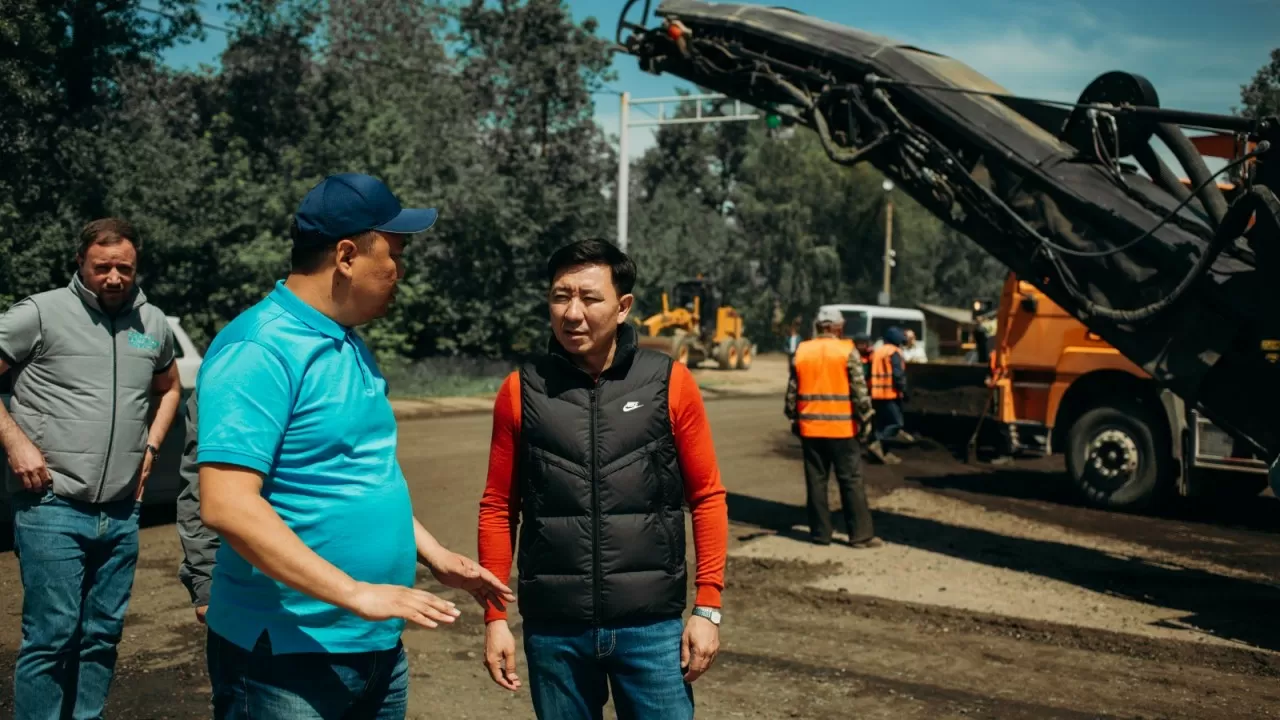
<point x="703" y="490"/>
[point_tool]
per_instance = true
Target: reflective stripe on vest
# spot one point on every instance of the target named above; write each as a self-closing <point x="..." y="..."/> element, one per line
<point x="824" y="401"/>
<point x="882" y="373"/>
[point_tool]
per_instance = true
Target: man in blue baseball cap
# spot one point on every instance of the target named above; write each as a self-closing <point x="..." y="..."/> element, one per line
<point x="296" y="446"/>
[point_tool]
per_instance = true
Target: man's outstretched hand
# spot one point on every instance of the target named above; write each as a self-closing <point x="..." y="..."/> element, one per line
<point x="458" y="571"/>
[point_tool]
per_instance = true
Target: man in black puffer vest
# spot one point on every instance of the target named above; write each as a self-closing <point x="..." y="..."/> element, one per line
<point x="597" y="446"/>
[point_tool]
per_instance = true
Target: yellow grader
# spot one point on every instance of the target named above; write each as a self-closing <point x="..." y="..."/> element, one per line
<point x="696" y="327"/>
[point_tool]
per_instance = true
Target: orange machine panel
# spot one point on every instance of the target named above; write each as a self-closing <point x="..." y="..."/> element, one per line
<point x="1040" y="351"/>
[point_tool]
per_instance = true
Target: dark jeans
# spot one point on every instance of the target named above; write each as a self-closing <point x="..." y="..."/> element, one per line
<point x="888" y="418"/>
<point x="306" y="686"/>
<point x="571" y="668"/>
<point x="845" y="455"/>
<point x="77" y="562"/>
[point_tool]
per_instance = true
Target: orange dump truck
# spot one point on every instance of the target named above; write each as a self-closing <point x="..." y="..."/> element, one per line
<point x="1058" y="388"/>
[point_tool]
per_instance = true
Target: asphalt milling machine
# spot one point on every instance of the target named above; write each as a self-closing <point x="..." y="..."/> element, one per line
<point x="1182" y="281"/>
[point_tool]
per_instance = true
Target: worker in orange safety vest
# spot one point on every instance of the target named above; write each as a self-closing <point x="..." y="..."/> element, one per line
<point x="889" y="386"/>
<point x="831" y="412"/>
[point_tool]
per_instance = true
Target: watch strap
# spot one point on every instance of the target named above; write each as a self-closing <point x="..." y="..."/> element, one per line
<point x="712" y="614"/>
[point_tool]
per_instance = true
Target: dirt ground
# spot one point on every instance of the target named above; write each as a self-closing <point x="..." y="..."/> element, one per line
<point x="995" y="596"/>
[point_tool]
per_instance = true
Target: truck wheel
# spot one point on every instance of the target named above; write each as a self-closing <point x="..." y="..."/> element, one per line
<point x="745" y="354"/>
<point x="680" y="350"/>
<point x="727" y="354"/>
<point x="1115" y="458"/>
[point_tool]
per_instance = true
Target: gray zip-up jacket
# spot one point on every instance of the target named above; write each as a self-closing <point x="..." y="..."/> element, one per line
<point x="82" y="386"/>
<point x="199" y="543"/>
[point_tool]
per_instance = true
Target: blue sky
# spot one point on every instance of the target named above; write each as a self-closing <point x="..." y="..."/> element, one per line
<point x="1197" y="58"/>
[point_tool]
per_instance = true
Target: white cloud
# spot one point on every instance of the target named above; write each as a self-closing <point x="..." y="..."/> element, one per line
<point x="1053" y="65"/>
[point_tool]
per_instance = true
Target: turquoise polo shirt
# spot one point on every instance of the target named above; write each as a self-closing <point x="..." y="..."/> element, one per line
<point x="288" y="392"/>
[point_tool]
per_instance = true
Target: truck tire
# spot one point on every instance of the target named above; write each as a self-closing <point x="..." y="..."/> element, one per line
<point x="726" y="354"/>
<point x="1116" y="457"/>
<point x="681" y="349"/>
<point x="746" y="353"/>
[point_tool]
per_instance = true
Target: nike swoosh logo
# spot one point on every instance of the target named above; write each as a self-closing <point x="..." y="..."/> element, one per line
<point x="631" y="406"/>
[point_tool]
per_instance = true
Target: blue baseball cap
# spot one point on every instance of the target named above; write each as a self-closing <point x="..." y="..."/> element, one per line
<point x="348" y="204"/>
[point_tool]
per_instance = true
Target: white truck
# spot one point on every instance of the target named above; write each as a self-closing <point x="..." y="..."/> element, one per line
<point x="162" y="486"/>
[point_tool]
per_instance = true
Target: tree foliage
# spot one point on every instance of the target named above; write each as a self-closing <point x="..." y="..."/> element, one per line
<point x="1261" y="97"/>
<point x="783" y="229"/>
<point x="482" y="108"/>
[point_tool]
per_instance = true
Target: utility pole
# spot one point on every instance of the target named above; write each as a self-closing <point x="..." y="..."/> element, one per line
<point x="625" y="124"/>
<point x="624" y="168"/>
<point x="889" y="254"/>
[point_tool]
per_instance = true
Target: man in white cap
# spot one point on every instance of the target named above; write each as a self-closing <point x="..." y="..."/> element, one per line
<point x="830" y="410"/>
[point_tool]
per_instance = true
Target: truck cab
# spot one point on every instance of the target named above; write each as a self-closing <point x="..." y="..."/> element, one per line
<point x="1057" y="387"/>
<point x="162" y="486"/>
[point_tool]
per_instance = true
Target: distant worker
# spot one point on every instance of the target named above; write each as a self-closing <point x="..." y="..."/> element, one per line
<point x="793" y="339"/>
<point x="912" y="351"/>
<point x="862" y="341"/>
<point x="889" y="386"/>
<point x="984" y="329"/>
<point x="830" y="410"/>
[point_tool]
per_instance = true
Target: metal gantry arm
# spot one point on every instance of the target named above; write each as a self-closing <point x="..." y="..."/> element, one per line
<point x="625" y="124"/>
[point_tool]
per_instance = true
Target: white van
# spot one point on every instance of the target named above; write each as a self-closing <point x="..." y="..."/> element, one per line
<point x="875" y="319"/>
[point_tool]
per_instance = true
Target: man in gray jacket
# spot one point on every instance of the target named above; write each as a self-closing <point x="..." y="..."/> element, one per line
<point x="199" y="543"/>
<point x="95" y="389"/>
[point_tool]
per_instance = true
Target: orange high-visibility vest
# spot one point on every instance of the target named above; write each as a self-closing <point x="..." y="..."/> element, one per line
<point x="882" y="373"/>
<point x="825" y="402"/>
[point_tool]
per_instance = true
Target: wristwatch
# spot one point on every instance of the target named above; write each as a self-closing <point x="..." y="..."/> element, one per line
<point x="153" y="449"/>
<point x="711" y="614"/>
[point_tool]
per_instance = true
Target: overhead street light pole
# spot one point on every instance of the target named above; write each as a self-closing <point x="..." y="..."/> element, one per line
<point x="625" y="124"/>
<point x="889" y="255"/>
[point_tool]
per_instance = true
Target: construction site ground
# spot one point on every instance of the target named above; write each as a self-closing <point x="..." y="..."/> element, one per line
<point x="996" y="595"/>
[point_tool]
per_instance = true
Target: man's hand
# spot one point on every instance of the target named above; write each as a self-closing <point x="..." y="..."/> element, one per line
<point x="698" y="647"/>
<point x="384" y="602"/>
<point x="28" y="464"/>
<point x="458" y="571"/>
<point x="865" y="431"/>
<point x="500" y="655"/>
<point x="147" y="459"/>
<point x="201" y="611"/>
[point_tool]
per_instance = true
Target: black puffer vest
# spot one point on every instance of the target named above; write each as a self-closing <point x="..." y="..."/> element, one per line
<point x="602" y="537"/>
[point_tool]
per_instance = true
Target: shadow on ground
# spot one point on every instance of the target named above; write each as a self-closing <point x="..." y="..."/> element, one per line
<point x="1224" y="606"/>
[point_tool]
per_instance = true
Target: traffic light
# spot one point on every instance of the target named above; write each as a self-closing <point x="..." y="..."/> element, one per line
<point x="773" y="120"/>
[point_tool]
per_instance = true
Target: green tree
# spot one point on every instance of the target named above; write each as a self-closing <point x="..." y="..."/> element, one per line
<point x="60" y="78"/>
<point x="1261" y="96"/>
<point x="529" y="70"/>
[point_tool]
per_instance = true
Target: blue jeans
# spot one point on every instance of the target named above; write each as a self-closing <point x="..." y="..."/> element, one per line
<point x="572" y="667"/>
<point x="306" y="686"/>
<point x="888" y="418"/>
<point x="77" y="561"/>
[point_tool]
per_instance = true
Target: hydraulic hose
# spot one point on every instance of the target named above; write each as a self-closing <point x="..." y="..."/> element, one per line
<point x="1259" y="199"/>
<point x="1161" y="173"/>
<point x="1215" y="203"/>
